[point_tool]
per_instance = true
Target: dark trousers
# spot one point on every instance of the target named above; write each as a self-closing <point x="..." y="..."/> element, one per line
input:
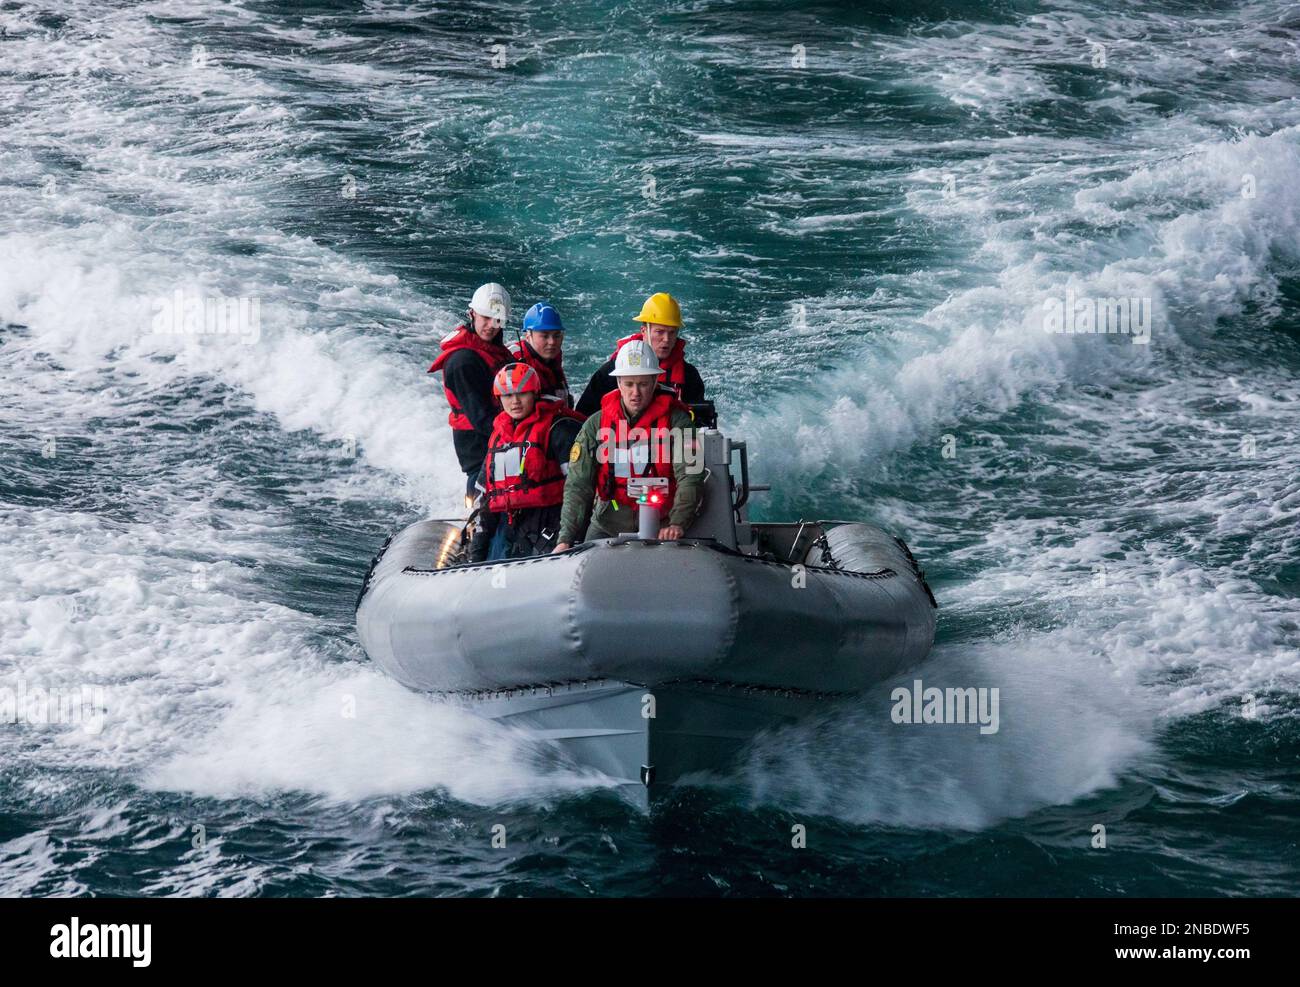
<point x="534" y="532"/>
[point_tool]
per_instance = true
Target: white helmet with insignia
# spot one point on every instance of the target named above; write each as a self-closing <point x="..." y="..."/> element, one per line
<point x="636" y="359"/>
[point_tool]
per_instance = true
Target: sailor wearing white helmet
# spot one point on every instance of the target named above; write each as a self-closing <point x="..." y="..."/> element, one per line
<point x="470" y="356"/>
<point x="641" y="430"/>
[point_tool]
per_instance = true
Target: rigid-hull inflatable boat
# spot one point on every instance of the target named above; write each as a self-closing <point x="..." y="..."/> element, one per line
<point x="651" y="660"/>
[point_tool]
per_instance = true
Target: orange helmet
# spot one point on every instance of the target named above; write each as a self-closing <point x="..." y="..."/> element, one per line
<point x="516" y="378"/>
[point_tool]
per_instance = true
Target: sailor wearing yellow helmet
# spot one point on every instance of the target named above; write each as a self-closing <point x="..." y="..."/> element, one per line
<point x="661" y="323"/>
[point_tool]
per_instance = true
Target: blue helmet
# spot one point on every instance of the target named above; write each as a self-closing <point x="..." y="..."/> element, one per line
<point x="542" y="317"/>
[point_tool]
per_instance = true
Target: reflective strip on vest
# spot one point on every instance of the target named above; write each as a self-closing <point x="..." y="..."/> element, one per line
<point x="634" y="461"/>
<point x="507" y="464"/>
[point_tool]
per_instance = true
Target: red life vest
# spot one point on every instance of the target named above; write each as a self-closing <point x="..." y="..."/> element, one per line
<point x="555" y="386"/>
<point x="520" y="473"/>
<point x="674" y="366"/>
<point x="493" y="354"/>
<point x="651" y="456"/>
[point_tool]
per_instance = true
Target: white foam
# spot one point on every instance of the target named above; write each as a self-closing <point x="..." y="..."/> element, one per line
<point x="1066" y="729"/>
<point x="354" y="735"/>
<point x="207" y="689"/>
<point x="86" y="311"/>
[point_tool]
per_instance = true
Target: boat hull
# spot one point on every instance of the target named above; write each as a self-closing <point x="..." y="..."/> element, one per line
<point x="647" y="660"/>
<point x="644" y="738"/>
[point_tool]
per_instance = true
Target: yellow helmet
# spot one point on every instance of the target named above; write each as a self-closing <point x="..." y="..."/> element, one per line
<point x="662" y="309"/>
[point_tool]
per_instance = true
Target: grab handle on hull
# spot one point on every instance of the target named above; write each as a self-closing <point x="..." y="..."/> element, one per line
<point x="743" y="495"/>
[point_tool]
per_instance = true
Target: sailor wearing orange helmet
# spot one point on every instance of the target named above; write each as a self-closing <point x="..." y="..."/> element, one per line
<point x="524" y="470"/>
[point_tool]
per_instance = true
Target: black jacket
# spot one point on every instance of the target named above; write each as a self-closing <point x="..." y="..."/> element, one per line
<point x="468" y="377"/>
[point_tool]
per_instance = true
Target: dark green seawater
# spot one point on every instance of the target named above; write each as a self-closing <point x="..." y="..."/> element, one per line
<point x="866" y="213"/>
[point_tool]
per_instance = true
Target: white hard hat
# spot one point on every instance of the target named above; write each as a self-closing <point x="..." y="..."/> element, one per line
<point x="636" y="359"/>
<point x="492" y="301"/>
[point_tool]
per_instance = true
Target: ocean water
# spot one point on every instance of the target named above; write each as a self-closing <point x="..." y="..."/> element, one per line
<point x="864" y="214"/>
